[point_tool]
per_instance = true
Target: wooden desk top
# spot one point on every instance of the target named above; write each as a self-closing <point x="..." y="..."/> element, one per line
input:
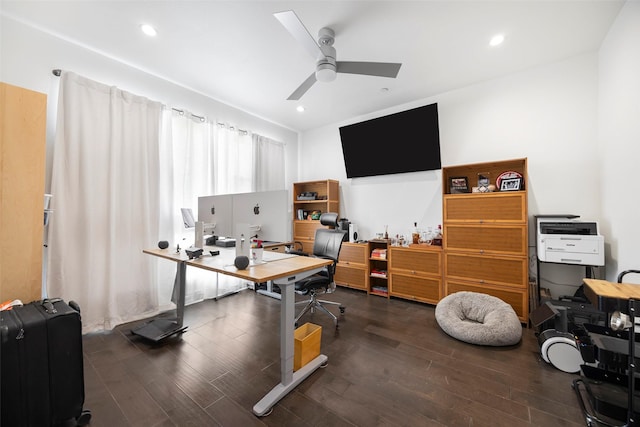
<point x="609" y="296"/>
<point x="223" y="263"/>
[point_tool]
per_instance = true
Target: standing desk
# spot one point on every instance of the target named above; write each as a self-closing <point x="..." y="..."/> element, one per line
<point x="283" y="271"/>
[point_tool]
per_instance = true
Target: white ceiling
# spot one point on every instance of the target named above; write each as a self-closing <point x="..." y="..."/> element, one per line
<point x="238" y="53"/>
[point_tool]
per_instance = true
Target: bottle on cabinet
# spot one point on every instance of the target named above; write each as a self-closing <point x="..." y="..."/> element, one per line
<point x="415" y="235"/>
<point x="437" y="238"/>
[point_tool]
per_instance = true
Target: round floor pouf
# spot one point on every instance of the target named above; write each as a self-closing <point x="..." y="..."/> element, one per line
<point x="479" y="319"/>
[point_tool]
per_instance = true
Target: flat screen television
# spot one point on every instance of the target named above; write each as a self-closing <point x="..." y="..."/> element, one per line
<point x="408" y="141"/>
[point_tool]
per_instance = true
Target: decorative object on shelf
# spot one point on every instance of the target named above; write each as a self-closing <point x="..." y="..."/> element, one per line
<point x="163" y="244"/>
<point x="511" y="184"/>
<point x="315" y="214"/>
<point x="484" y="180"/>
<point x="509" y="175"/>
<point x="489" y="189"/>
<point x="308" y="195"/>
<point x="458" y="184"/>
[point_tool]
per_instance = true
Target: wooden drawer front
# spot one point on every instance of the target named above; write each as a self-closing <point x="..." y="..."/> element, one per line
<point x="353" y="253"/>
<point x="276" y="248"/>
<point x="501" y="239"/>
<point x="305" y="230"/>
<point x="353" y="277"/>
<point x="415" y="260"/>
<point x="415" y="287"/>
<point x="508" y="271"/>
<point x="486" y="207"/>
<point x="518" y="299"/>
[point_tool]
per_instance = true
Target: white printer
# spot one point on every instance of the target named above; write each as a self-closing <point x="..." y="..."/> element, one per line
<point x="569" y="240"/>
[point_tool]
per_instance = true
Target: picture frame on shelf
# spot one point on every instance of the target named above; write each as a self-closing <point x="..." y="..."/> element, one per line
<point x="458" y="184"/>
<point x="511" y="184"/>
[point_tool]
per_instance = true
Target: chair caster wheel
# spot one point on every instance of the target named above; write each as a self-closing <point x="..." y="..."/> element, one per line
<point x="342" y="309"/>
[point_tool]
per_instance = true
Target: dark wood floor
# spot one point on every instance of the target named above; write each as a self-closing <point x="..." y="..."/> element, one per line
<point x="389" y="365"/>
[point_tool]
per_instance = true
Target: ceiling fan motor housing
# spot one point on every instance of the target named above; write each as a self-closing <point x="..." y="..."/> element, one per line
<point x="326" y="65"/>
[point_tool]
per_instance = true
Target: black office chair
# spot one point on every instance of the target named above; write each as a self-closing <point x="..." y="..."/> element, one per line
<point x="327" y="244"/>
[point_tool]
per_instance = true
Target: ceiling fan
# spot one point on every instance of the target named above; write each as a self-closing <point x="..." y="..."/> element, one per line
<point x="325" y="53"/>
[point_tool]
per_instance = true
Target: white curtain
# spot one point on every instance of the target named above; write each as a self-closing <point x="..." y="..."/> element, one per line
<point x="268" y="164"/>
<point x="123" y="168"/>
<point x="233" y="155"/>
<point x="106" y="180"/>
<point x="208" y="158"/>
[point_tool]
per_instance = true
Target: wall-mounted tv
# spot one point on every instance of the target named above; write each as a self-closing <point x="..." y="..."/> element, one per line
<point x="408" y="141"/>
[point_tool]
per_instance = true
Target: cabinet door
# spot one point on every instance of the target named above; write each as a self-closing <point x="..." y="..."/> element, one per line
<point x="514" y="297"/>
<point x="505" y="271"/>
<point x="352" y="276"/>
<point x="353" y="253"/>
<point x="496" y="239"/>
<point x="415" y="287"/>
<point x="304" y="232"/>
<point x="486" y="207"/>
<point x="421" y="261"/>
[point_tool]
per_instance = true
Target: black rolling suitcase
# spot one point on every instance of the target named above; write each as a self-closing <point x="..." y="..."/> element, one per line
<point x="41" y="375"/>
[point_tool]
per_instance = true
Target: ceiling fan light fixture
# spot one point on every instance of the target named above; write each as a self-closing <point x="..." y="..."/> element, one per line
<point x="325" y="73"/>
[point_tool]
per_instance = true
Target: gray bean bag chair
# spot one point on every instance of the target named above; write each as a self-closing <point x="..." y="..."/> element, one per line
<point x="478" y="319"/>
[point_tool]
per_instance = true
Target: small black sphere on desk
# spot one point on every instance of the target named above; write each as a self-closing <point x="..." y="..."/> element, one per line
<point x="241" y="262"/>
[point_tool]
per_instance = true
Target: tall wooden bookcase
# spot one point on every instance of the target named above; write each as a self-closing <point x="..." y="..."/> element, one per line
<point x="22" y="166"/>
<point x="485" y="235"/>
<point x="308" y="197"/>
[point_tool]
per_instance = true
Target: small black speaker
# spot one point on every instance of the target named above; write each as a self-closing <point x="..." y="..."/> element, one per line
<point x="241" y="262"/>
<point x="163" y="244"/>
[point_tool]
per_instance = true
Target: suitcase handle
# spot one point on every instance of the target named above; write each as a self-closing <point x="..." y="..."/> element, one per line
<point x="48" y="305"/>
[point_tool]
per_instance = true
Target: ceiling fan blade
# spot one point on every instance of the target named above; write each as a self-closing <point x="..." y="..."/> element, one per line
<point x="304" y="87"/>
<point x="380" y="69"/>
<point x="292" y="23"/>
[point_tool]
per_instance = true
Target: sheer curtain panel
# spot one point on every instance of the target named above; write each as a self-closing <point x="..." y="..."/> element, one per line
<point x="106" y="178"/>
<point x="269" y="164"/>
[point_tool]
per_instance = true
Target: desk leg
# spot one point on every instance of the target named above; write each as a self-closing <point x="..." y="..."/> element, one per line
<point x="269" y="291"/>
<point x="159" y="329"/>
<point x="288" y="379"/>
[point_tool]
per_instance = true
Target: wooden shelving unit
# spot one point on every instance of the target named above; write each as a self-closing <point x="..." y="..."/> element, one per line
<point x="326" y="199"/>
<point x="485" y="239"/>
<point x="378" y="268"/>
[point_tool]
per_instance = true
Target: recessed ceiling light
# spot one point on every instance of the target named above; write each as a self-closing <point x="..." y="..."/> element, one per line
<point x="300" y="109"/>
<point x="496" y="40"/>
<point x="148" y="30"/>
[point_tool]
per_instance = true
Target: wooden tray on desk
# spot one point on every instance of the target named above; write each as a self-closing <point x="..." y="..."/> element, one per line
<point x="611" y="296"/>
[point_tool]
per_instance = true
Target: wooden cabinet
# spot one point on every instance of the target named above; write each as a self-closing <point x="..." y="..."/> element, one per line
<point x="486" y="236"/>
<point x="22" y="167"/>
<point x="415" y="273"/>
<point x="378" y="267"/>
<point x="352" y="269"/>
<point x="309" y="197"/>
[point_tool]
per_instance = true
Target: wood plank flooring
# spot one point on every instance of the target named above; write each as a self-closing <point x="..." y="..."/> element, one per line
<point x="389" y="365"/>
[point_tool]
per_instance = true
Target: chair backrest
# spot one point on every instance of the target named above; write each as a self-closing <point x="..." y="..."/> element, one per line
<point x="328" y="241"/>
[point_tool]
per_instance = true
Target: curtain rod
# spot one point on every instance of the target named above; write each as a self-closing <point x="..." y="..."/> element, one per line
<point x="57" y="72"/>
<point x="202" y="118"/>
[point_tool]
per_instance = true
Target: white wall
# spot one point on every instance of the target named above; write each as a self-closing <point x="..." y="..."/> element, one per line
<point x="619" y="140"/>
<point x="547" y="114"/>
<point x="29" y="56"/>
